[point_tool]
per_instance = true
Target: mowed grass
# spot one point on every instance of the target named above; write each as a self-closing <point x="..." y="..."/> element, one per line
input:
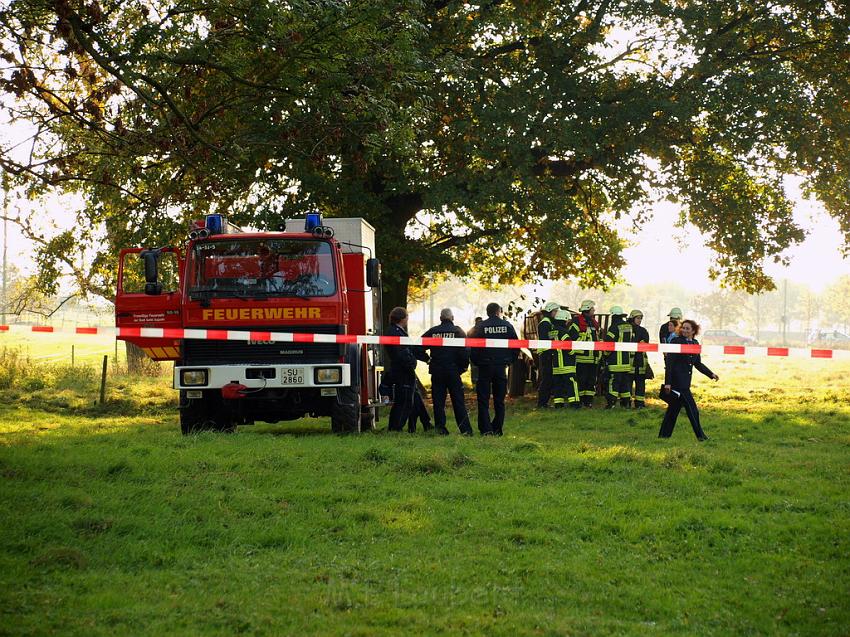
<point x="571" y="524"/>
<point x="63" y="348"/>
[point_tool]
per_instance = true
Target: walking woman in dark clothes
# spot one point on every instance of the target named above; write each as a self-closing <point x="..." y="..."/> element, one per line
<point x="677" y="383"/>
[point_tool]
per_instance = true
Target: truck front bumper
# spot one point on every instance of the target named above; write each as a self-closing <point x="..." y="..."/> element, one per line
<point x="263" y="376"/>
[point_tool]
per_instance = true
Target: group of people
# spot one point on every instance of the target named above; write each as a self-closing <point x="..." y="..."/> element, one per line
<point x="568" y="377"/>
<point x="446" y="365"/>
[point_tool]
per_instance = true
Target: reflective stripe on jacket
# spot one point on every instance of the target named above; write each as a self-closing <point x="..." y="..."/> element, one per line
<point x="565" y="359"/>
<point x="544" y="332"/>
<point x="640" y="361"/>
<point x="619" y="332"/>
<point x="586" y="356"/>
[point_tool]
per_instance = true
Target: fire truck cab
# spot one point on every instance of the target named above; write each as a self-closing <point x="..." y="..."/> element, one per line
<point x="240" y="288"/>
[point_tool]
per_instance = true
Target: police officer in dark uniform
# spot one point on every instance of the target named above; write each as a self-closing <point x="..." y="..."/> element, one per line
<point x="546" y="332"/>
<point x="492" y="374"/>
<point x="402" y="371"/>
<point x="446" y="366"/>
<point x="677" y="383"/>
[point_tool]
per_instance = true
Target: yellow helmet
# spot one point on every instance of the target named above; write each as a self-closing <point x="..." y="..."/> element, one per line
<point x="616" y="310"/>
<point x="675" y="313"/>
<point x="635" y="313"/>
<point x="586" y="305"/>
<point x="551" y="305"/>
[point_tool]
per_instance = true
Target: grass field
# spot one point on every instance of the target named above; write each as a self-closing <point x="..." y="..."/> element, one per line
<point x="62" y="348"/>
<point x="571" y="524"/>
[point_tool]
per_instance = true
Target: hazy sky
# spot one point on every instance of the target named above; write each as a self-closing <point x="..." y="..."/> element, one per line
<point x="655" y="258"/>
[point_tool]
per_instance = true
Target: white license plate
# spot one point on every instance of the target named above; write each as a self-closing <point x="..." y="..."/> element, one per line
<point x="292" y="377"/>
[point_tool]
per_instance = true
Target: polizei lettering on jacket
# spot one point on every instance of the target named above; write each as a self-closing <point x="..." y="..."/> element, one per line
<point x="261" y="313"/>
<point x="496" y="329"/>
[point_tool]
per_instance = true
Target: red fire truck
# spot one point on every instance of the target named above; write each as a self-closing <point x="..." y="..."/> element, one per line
<point x="314" y="277"/>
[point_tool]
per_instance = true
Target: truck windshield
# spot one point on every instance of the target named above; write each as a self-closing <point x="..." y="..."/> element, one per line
<point x="262" y="267"/>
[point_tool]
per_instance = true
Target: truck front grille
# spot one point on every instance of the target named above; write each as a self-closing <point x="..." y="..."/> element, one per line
<point x="196" y="352"/>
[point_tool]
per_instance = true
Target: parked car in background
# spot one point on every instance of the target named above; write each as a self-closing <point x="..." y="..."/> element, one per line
<point x="725" y="337"/>
<point x="832" y="336"/>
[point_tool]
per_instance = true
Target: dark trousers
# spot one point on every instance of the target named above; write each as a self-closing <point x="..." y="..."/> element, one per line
<point x="404" y="387"/>
<point x="418" y="412"/>
<point x="640" y="388"/>
<point x="544" y="389"/>
<point x="565" y="389"/>
<point x="675" y="403"/>
<point x="441" y="384"/>
<point x="586" y="379"/>
<point x="620" y="387"/>
<point x="491" y="378"/>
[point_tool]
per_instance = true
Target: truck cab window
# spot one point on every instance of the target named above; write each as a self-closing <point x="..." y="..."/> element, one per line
<point x="133" y="280"/>
<point x="271" y="267"/>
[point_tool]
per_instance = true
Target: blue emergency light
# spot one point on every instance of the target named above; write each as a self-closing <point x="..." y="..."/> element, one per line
<point x="314" y="220"/>
<point x="214" y="224"/>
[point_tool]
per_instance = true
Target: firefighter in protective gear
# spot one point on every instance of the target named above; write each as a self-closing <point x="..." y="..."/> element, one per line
<point x="640" y="361"/>
<point x="619" y="362"/>
<point x="666" y="332"/>
<point x="564" y="385"/>
<point x="546" y="332"/>
<point x="584" y="327"/>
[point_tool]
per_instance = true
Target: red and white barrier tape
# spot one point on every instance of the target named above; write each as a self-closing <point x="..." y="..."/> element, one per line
<point x="290" y="337"/>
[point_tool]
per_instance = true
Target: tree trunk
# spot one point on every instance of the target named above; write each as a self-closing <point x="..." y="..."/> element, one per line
<point x="394" y="290"/>
<point x="400" y="256"/>
<point x="135" y="359"/>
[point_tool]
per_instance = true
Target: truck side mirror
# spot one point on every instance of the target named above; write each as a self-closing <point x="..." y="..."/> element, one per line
<point x="151" y="259"/>
<point x="373" y="273"/>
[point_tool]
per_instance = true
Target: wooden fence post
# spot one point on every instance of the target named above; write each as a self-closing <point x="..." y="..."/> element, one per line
<point x="103" y="380"/>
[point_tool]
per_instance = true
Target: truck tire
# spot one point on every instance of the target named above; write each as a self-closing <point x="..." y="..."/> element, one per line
<point x="193" y="415"/>
<point x="345" y="412"/>
<point x="204" y="415"/>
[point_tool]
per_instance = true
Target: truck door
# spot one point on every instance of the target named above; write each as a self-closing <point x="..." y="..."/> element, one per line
<point x="148" y="295"/>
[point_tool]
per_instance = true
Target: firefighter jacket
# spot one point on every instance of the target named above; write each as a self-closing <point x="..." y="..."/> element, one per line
<point x="497" y="328"/>
<point x="565" y="359"/>
<point x="680" y="366"/>
<point x="620" y="331"/>
<point x="544" y="332"/>
<point x="581" y="329"/>
<point x="447" y="360"/>
<point x="639" y="361"/>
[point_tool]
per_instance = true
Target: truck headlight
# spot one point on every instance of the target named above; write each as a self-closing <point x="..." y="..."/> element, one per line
<point x="328" y="375"/>
<point x="193" y="377"/>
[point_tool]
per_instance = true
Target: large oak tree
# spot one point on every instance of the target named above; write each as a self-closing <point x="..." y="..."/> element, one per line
<point x="498" y="138"/>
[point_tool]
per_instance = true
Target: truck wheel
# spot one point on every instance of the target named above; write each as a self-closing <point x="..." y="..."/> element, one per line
<point x="204" y="415"/>
<point x="193" y="415"/>
<point x="345" y="412"/>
